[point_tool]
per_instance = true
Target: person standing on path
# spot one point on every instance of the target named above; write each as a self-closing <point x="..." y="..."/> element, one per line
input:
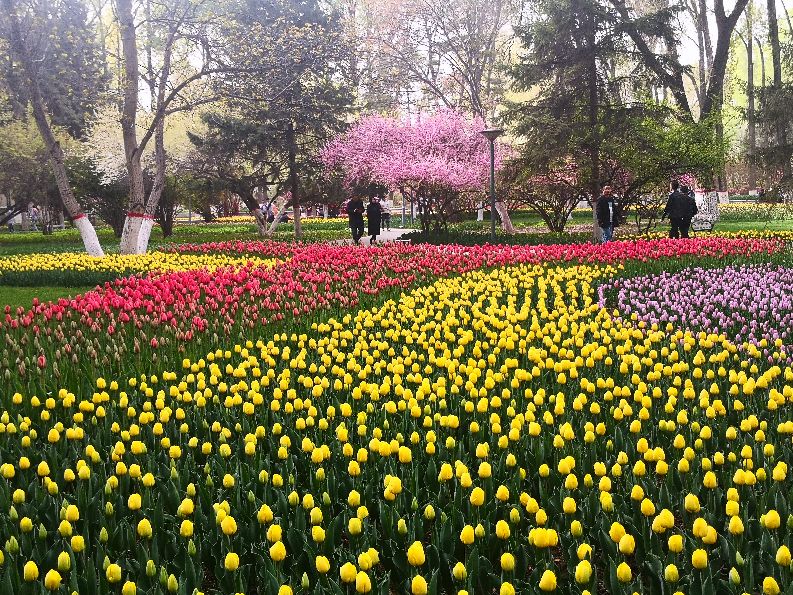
<point x="385" y="214"/>
<point x="606" y="212"/>
<point x="355" y="211"/>
<point x="679" y="212"/>
<point x="373" y="215"/>
<point x="691" y="209"/>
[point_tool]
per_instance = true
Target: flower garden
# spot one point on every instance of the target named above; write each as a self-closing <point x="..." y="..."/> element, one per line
<point x="260" y="417"/>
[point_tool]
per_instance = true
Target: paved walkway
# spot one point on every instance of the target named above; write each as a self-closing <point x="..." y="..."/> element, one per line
<point x="385" y="236"/>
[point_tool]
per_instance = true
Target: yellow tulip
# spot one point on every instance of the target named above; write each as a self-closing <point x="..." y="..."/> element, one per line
<point x="548" y="581"/>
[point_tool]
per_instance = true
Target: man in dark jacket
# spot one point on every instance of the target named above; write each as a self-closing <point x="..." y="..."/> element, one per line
<point x="355" y="212"/>
<point x="373" y="214"/>
<point x="691" y="210"/>
<point x="606" y="212"/>
<point x="680" y="208"/>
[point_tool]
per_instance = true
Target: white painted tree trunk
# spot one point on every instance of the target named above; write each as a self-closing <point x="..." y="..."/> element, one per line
<point x="480" y="213"/>
<point x="144" y="233"/>
<point x="88" y="234"/>
<point x="129" y="236"/>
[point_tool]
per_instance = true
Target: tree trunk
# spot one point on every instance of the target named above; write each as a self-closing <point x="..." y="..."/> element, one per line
<point x="278" y="216"/>
<point x="156" y="191"/>
<point x="773" y="39"/>
<point x="293" y="183"/>
<point x="253" y="206"/>
<point x="752" y="132"/>
<point x="503" y="213"/>
<point x="136" y="203"/>
<point x="261" y="221"/>
<point x="702" y="68"/>
<point x="725" y="26"/>
<point x="776" y="63"/>
<point x="787" y="18"/>
<point x="705" y="29"/>
<point x="762" y="62"/>
<point x="54" y="150"/>
<point x="594" y="131"/>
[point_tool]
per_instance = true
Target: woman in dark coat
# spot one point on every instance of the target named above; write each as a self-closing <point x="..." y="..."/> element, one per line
<point x="373" y="214"/>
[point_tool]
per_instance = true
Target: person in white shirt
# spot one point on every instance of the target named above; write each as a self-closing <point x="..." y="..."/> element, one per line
<point x="385" y="213"/>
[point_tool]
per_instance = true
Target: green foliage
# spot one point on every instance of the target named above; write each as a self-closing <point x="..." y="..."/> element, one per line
<point x="290" y="99"/>
<point x="66" y="50"/>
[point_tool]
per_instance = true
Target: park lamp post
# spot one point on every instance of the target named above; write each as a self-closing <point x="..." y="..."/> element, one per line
<point x="492" y="134"/>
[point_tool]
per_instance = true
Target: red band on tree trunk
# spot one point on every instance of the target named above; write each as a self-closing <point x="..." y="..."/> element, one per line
<point x="139" y="215"/>
<point x="80" y="216"/>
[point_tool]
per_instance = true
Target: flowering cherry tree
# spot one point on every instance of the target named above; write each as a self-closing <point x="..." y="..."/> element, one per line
<point x="442" y="161"/>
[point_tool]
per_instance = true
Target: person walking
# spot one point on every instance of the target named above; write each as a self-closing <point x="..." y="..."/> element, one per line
<point x="679" y="211"/>
<point x="34" y="217"/>
<point x="691" y="210"/>
<point x="385" y="214"/>
<point x="373" y="215"/>
<point x="355" y="211"/>
<point x="606" y="213"/>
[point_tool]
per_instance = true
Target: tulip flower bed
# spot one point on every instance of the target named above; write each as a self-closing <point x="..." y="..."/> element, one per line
<point x="410" y="419"/>
<point x="78" y="268"/>
<point x="750" y="304"/>
<point x="135" y="321"/>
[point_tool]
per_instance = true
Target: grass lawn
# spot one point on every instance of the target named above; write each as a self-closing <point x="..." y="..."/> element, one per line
<point x="23" y="296"/>
<point x="776" y="225"/>
<point x="69" y="239"/>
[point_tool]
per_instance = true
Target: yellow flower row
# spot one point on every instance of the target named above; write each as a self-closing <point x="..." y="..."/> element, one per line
<point x="162" y="262"/>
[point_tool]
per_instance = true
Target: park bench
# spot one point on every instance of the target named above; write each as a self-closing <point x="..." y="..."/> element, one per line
<point x="708" y="214"/>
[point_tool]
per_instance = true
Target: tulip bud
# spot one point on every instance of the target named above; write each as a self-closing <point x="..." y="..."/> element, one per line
<point x="105" y="563"/>
<point x="174" y="476"/>
<point x="108" y="490"/>
<point x="414" y="505"/>
<point x="42" y="532"/>
<point x="12" y="545"/>
<point x="738" y="559"/>
<point x="64" y="562"/>
<point x="251" y="497"/>
<point x="109" y="509"/>
<point x="163" y="576"/>
<point x="103" y="535"/>
<point x="191" y="548"/>
<point x="13" y="514"/>
<point x="173" y="584"/>
<point x="386" y="425"/>
<point x="151" y="569"/>
<point x="209" y="483"/>
<point x="326" y="498"/>
<point x="735" y="578"/>
<point x="790" y="521"/>
<point x="402" y="527"/>
<point x="304" y="581"/>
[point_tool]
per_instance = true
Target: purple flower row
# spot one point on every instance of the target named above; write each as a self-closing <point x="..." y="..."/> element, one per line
<point x="748" y="303"/>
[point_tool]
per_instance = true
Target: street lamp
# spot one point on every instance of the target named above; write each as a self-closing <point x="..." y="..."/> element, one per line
<point x="492" y="134"/>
